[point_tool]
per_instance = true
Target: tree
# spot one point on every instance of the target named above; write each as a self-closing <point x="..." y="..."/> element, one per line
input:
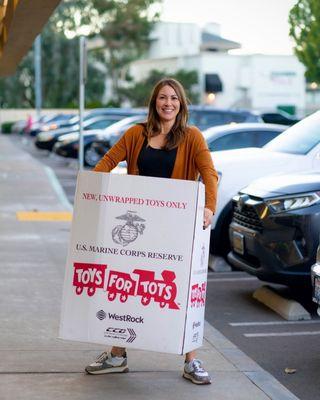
<point x="60" y="66"/>
<point x="304" y="21"/>
<point x="138" y="93"/>
<point x="17" y="91"/>
<point x="126" y="26"/>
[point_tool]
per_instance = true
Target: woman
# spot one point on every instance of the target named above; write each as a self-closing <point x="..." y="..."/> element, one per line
<point x="163" y="147"/>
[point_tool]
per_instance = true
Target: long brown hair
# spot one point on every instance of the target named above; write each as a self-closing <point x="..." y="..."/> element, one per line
<point x="153" y="126"/>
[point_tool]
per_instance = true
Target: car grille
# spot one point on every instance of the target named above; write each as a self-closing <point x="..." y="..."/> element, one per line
<point x="246" y="216"/>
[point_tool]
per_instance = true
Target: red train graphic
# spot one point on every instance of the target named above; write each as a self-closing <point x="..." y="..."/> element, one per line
<point x="198" y="294"/>
<point x="141" y="283"/>
<point x="89" y="276"/>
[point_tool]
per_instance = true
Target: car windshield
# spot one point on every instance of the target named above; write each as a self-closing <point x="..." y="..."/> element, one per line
<point x="299" y="138"/>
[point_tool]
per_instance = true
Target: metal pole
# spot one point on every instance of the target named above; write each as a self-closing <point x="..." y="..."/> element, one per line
<point x="82" y="81"/>
<point x="37" y="81"/>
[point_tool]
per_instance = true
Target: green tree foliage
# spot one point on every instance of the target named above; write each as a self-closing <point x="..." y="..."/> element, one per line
<point x="17" y="91"/>
<point x="125" y="29"/>
<point x="138" y="92"/>
<point x="60" y="70"/>
<point x="304" y="20"/>
<point x="123" y="26"/>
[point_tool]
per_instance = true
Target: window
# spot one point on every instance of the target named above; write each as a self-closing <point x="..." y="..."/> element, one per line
<point x="299" y="138"/>
<point x="234" y="140"/>
<point x="99" y="124"/>
<point x="263" y="137"/>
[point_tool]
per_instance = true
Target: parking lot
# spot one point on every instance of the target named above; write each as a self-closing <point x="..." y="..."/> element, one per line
<point x="261" y="333"/>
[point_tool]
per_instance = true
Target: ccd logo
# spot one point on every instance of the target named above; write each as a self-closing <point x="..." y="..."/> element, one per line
<point x="116" y="330"/>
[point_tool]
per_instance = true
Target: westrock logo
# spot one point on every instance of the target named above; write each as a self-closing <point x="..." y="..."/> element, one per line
<point x="126" y="318"/>
<point x="128" y="232"/>
<point x="140" y="283"/>
<point x="101" y="315"/>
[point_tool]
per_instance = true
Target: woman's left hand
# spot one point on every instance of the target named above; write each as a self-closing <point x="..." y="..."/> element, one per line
<point x="207" y="218"/>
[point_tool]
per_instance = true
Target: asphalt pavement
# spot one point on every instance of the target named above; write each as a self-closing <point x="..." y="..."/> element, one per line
<point x="35" y="364"/>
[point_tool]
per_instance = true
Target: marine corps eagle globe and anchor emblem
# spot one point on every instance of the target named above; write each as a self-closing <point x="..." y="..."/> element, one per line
<point x="128" y="232"/>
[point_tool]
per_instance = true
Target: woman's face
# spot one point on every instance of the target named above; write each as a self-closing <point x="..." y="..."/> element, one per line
<point x="167" y="104"/>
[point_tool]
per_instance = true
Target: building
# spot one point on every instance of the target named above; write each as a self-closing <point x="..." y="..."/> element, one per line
<point x="256" y="81"/>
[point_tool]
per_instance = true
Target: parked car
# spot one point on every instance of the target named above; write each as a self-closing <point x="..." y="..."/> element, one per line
<point x="279" y="117"/>
<point x="236" y="136"/>
<point x="123" y="112"/>
<point x="68" y="145"/>
<point x="296" y="149"/>
<point x="315" y="280"/>
<point x="275" y="228"/>
<point x="222" y="137"/>
<point x="49" y="121"/>
<point x="46" y="140"/>
<point x="205" y="117"/>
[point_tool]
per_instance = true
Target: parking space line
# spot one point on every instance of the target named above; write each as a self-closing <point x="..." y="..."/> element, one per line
<point x="277" y="334"/>
<point x="244" y="279"/>
<point x="235" y="324"/>
<point x="44" y="216"/>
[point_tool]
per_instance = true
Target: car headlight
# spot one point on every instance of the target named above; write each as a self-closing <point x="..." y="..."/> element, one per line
<point x="68" y="137"/>
<point x="288" y="203"/>
<point x="44" y="137"/>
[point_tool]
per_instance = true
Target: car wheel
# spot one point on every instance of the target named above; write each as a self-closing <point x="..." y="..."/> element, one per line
<point x="91" y="157"/>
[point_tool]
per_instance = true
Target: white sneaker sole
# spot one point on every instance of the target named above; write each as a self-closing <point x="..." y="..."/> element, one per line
<point x="193" y="380"/>
<point x="112" y="370"/>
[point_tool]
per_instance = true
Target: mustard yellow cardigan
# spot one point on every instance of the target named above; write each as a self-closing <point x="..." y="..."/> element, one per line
<point x="193" y="158"/>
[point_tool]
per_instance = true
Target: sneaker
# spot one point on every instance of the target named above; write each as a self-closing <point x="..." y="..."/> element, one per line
<point x="106" y="363"/>
<point x="194" y="371"/>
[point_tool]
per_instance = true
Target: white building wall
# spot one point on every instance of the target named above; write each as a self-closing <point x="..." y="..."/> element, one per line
<point x="257" y="81"/>
<point x="172" y="39"/>
<point x="261" y="82"/>
<point x="277" y="80"/>
<point x="228" y="69"/>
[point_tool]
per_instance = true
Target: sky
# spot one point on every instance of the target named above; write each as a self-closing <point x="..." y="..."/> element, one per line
<point x="261" y="26"/>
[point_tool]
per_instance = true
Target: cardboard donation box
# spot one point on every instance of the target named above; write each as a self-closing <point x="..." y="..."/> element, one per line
<point x="136" y="270"/>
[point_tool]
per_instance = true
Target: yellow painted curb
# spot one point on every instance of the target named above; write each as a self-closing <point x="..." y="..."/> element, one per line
<point x="44" y="215"/>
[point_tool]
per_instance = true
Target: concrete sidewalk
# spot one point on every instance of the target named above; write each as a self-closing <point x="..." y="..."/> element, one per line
<point x="34" y="364"/>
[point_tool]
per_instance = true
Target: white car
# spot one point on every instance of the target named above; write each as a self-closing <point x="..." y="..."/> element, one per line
<point x="239" y="136"/>
<point x="296" y="149"/>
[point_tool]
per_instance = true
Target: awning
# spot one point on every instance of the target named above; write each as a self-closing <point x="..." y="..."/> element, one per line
<point x="213" y="83"/>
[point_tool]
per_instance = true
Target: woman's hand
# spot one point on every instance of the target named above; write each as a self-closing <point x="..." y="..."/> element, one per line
<point x="207" y="218"/>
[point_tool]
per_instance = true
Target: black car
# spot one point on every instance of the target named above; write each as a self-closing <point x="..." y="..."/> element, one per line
<point x="68" y="145"/>
<point x="205" y="117"/>
<point x="279" y="117"/>
<point x="275" y="228"/>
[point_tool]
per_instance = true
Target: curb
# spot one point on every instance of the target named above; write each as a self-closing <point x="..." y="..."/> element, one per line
<point x="257" y="375"/>
<point x="58" y="188"/>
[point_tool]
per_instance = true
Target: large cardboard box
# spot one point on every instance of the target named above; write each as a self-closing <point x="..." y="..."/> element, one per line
<point x="136" y="269"/>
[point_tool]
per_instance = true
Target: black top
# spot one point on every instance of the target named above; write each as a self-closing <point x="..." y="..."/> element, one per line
<point x="156" y="162"/>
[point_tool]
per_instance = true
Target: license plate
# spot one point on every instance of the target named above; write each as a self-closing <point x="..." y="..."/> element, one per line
<point x="316" y="290"/>
<point x="238" y="242"/>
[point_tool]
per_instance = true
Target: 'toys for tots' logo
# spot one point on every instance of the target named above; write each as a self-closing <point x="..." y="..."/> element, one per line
<point x="129" y="231"/>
